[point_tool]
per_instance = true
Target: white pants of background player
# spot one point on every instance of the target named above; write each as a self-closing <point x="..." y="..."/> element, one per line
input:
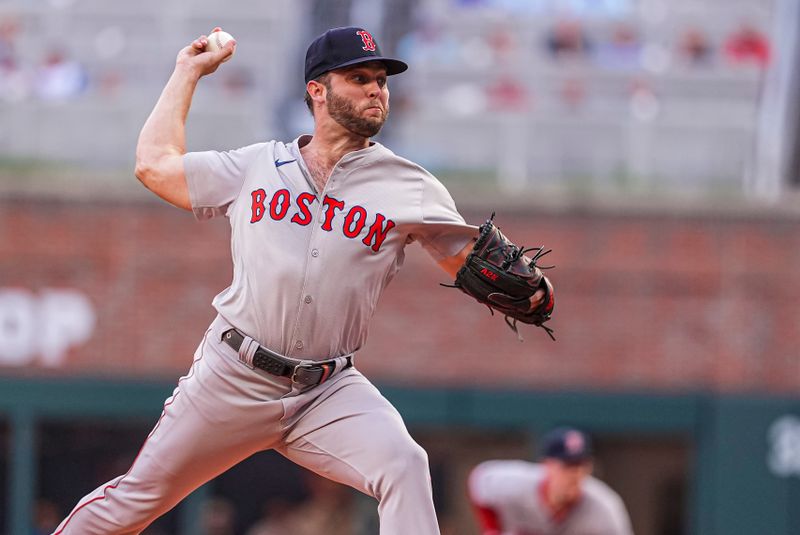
<point x="222" y="412"/>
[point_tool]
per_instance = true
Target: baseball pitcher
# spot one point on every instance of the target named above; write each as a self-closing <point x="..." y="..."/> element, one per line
<point x="318" y="229"/>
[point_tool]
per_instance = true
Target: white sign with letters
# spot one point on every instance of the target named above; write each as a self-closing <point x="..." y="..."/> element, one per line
<point x="783" y="438"/>
<point x="40" y="327"/>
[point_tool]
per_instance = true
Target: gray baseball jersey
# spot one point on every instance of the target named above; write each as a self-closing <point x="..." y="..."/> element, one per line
<point x="511" y="489"/>
<point x="310" y="266"/>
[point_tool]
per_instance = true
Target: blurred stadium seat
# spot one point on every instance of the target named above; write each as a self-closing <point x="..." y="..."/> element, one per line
<point x="576" y="121"/>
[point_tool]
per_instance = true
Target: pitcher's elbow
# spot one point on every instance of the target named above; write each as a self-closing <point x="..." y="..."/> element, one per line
<point x="141" y="171"/>
<point x="145" y="171"/>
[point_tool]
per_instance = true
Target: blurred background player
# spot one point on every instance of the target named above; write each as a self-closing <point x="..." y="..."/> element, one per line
<point x="558" y="495"/>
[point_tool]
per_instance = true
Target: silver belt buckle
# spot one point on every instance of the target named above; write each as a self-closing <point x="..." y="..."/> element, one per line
<point x="296" y="368"/>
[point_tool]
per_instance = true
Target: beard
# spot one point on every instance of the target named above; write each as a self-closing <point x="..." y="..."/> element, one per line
<point x="344" y="113"/>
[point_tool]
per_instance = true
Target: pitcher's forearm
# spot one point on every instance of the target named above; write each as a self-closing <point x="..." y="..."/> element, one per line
<point x="164" y="132"/>
<point x="162" y="141"/>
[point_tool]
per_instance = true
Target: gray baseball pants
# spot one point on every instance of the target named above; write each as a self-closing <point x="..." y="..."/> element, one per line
<point x="222" y="412"/>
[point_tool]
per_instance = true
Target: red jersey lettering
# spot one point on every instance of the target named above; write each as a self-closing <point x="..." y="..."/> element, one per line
<point x="303" y="216"/>
<point x="257" y="205"/>
<point x="331" y="205"/>
<point x="354" y="221"/>
<point x="279" y="204"/>
<point x="377" y="232"/>
<point x="353" y="225"/>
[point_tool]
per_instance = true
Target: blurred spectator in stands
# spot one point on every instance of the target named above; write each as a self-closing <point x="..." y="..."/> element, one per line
<point x="237" y="81"/>
<point x="110" y="83"/>
<point x="694" y="48"/>
<point x="507" y="94"/>
<point x="502" y="43"/>
<point x="13" y="81"/>
<point x="218" y="517"/>
<point x="747" y="46"/>
<point x="644" y="104"/>
<point x="622" y="51"/>
<point x="573" y="93"/>
<point x="14" y="84"/>
<point x="568" y="40"/>
<point x="9" y="29"/>
<point x="59" y="77"/>
<point x="328" y="510"/>
<point x="46" y="517"/>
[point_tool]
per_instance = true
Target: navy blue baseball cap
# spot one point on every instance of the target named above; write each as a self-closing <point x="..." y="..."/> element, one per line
<point x="567" y="444"/>
<point x="340" y="47"/>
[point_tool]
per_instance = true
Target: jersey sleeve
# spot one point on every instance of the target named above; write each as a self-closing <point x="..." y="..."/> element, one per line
<point x="215" y="178"/>
<point x="442" y="230"/>
<point x="486" y="486"/>
<point x="610" y="514"/>
<point x="620" y="519"/>
<point x="483" y="497"/>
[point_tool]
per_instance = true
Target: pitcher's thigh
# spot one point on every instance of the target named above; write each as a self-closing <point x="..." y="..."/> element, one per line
<point x="356" y="437"/>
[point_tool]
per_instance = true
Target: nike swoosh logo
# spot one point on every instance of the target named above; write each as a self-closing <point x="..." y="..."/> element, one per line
<point x="279" y="163"/>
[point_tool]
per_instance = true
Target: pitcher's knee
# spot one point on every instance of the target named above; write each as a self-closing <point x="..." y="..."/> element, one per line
<point x="144" y="501"/>
<point x="134" y="512"/>
<point x="405" y="465"/>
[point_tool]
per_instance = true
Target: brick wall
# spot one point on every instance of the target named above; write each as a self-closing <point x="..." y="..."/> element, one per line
<point x="644" y="301"/>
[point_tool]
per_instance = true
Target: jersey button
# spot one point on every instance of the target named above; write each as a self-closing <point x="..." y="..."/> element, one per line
<point x="298" y="344"/>
<point x="314" y="253"/>
<point x="308" y="299"/>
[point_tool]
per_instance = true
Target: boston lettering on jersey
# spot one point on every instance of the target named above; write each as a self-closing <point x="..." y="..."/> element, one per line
<point x="351" y="226"/>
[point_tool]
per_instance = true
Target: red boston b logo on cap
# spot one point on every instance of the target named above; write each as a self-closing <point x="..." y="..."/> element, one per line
<point x="573" y="442"/>
<point x="369" y="42"/>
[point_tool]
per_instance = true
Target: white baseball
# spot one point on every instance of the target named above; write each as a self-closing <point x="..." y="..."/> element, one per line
<point x="217" y="40"/>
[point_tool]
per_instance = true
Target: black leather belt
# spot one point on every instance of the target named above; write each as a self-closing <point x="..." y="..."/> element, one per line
<point x="301" y="372"/>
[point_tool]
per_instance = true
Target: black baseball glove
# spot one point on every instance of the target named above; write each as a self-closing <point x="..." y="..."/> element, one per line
<point x="498" y="274"/>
